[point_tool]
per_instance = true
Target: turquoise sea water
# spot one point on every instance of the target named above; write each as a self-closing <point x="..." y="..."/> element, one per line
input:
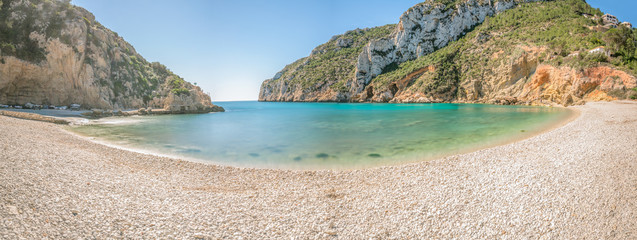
<point x="326" y="135"/>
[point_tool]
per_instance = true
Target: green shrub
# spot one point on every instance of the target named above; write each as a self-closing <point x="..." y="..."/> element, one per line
<point x="88" y="22"/>
<point x="7" y="49"/>
<point x="179" y="91"/>
<point x="176" y="82"/>
<point x="596" y="57"/>
<point x="339" y="87"/>
<point x="118" y="88"/>
<point x="633" y="93"/>
<point x="621" y="42"/>
<point x="620" y="94"/>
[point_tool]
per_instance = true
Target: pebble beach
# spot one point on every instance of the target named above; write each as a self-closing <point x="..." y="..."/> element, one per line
<point x="576" y="181"/>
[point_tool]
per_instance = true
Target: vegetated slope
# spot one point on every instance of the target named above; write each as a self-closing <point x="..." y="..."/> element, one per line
<point x="322" y="76"/>
<point x="535" y="53"/>
<point x="52" y="52"/>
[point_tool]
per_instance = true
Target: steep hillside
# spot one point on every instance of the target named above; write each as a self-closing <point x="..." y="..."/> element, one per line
<point x="509" y="52"/>
<point x="324" y="75"/>
<point x="52" y="52"/>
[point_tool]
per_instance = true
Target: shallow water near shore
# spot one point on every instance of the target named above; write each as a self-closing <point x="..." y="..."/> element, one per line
<point x="326" y="135"/>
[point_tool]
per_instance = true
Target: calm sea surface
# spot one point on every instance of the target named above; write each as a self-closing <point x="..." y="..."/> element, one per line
<point x="325" y="135"/>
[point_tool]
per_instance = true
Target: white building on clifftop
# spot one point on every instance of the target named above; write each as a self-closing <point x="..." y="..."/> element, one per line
<point x="610" y="19"/>
<point x="627" y="24"/>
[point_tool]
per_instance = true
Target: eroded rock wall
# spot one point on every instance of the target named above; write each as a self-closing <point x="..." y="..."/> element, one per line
<point x="55" y="53"/>
<point x="422" y="30"/>
<point x="521" y="79"/>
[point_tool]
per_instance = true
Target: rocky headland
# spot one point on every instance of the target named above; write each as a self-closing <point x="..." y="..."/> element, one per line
<point x="55" y="53"/>
<point x="507" y="52"/>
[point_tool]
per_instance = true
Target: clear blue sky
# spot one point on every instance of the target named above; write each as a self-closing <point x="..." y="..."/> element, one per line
<point x="228" y="47"/>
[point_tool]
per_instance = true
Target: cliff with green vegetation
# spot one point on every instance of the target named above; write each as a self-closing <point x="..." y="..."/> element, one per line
<point x="55" y="53"/>
<point x="324" y="75"/>
<point x="506" y="52"/>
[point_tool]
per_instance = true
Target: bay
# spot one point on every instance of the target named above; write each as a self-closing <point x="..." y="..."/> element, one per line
<point x="326" y="135"/>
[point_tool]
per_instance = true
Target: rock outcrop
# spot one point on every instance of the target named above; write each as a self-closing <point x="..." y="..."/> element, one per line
<point x="515" y="78"/>
<point x="54" y="53"/>
<point x="567" y="86"/>
<point x="324" y="75"/>
<point x="423" y="29"/>
<point x="475" y="51"/>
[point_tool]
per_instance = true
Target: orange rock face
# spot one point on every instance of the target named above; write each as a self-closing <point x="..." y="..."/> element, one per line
<point x="609" y="79"/>
<point x="563" y="85"/>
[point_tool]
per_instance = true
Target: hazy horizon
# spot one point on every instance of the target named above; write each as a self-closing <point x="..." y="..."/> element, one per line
<point x="229" y="48"/>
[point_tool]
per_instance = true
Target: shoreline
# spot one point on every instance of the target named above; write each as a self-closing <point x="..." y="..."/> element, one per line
<point x="576" y="180"/>
<point x="572" y="115"/>
<point x="79" y="117"/>
<point x="146" y="151"/>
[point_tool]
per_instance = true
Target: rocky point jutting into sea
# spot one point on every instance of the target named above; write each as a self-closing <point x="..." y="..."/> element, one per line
<point x="55" y="53"/>
<point x="506" y="52"/>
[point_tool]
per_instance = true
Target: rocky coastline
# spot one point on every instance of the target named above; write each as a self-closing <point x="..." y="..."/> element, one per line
<point x="62" y="116"/>
<point x="55" y="53"/>
<point x="98" y="113"/>
<point x="466" y="52"/>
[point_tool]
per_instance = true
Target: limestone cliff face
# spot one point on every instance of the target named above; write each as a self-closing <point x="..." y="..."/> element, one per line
<point x="423" y="29"/>
<point x="476" y="51"/>
<point x="52" y="52"/>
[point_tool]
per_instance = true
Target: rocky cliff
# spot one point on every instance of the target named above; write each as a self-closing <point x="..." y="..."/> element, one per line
<point x="509" y="52"/>
<point x="54" y="53"/>
<point x="323" y="75"/>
